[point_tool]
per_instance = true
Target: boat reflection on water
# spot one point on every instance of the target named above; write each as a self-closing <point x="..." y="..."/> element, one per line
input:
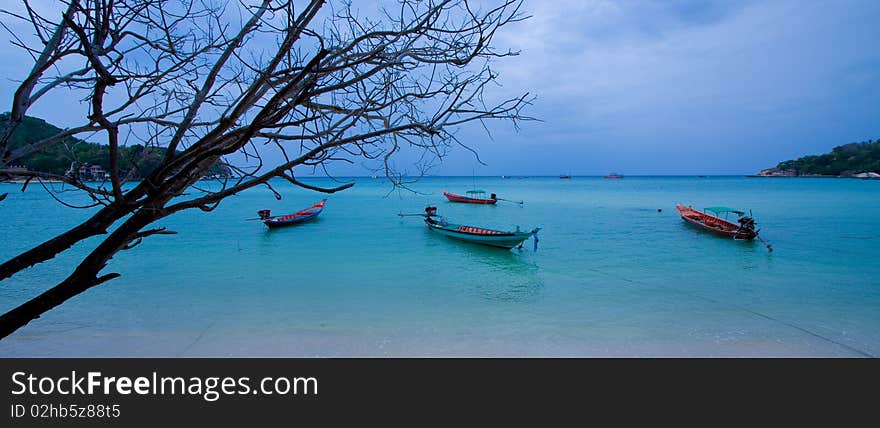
<point x="503" y="276"/>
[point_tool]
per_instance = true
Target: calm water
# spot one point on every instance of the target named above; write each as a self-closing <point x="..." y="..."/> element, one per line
<point x="612" y="276"/>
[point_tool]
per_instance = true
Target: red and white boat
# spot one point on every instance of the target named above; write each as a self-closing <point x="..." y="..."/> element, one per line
<point x="473" y="197"/>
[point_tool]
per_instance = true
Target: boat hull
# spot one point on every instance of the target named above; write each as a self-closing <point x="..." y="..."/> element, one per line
<point x="464" y="199"/>
<point x="299" y="220"/>
<point x="298" y="217"/>
<point x="714" y="224"/>
<point x="492" y="238"/>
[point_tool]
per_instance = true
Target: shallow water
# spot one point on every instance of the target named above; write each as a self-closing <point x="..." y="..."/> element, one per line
<point x="612" y="276"/>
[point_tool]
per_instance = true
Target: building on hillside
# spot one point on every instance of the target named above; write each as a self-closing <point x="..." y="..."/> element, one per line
<point x="88" y="172"/>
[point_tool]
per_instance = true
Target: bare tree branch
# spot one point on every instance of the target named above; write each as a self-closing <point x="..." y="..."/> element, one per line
<point x="179" y="78"/>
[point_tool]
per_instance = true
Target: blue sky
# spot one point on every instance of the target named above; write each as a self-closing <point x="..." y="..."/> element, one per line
<point x="669" y="87"/>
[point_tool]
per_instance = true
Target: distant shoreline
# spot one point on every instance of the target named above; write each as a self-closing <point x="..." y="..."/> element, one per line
<point x="634" y="176"/>
<point x="22" y="181"/>
<point x="812" y="176"/>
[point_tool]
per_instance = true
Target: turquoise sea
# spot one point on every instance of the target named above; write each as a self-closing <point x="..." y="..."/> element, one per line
<point x="612" y="275"/>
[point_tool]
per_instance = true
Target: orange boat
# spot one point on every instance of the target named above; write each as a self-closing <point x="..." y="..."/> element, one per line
<point x="745" y="230"/>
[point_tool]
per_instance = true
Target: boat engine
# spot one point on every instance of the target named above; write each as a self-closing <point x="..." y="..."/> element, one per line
<point x="430" y="211"/>
<point x="264" y="214"/>
<point x="747" y="223"/>
<point x="492" y="196"/>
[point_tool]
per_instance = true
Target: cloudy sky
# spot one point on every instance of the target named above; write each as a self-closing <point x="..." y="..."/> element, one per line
<point x="687" y="86"/>
<point x="668" y="86"/>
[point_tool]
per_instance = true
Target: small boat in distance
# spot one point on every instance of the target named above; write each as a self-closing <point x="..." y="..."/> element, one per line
<point x="478" y="235"/>
<point x="286" y="220"/>
<point x="564" y="176"/>
<point x="473" y="197"/>
<point x="714" y="223"/>
<point x="613" y="175"/>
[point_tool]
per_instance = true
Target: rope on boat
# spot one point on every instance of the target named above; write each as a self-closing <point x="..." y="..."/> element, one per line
<point x="812" y="333"/>
<point x="744" y="309"/>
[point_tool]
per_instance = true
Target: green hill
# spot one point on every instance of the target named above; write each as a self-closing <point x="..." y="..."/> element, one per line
<point x="58" y="158"/>
<point x="846" y="160"/>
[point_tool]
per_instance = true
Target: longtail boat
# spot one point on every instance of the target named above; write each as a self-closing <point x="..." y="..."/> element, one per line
<point x="745" y="230"/>
<point x="473" y="197"/>
<point x="478" y="235"/>
<point x="300" y="216"/>
<point x="613" y="175"/>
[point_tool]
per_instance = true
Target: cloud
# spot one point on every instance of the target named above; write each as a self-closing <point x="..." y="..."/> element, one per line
<point x="671" y="86"/>
<point x="626" y="80"/>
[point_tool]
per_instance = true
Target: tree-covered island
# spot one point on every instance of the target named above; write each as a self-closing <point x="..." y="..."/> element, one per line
<point x="77" y="158"/>
<point x="858" y="160"/>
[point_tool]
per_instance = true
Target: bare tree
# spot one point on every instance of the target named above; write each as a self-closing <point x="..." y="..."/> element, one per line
<point x="312" y="82"/>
